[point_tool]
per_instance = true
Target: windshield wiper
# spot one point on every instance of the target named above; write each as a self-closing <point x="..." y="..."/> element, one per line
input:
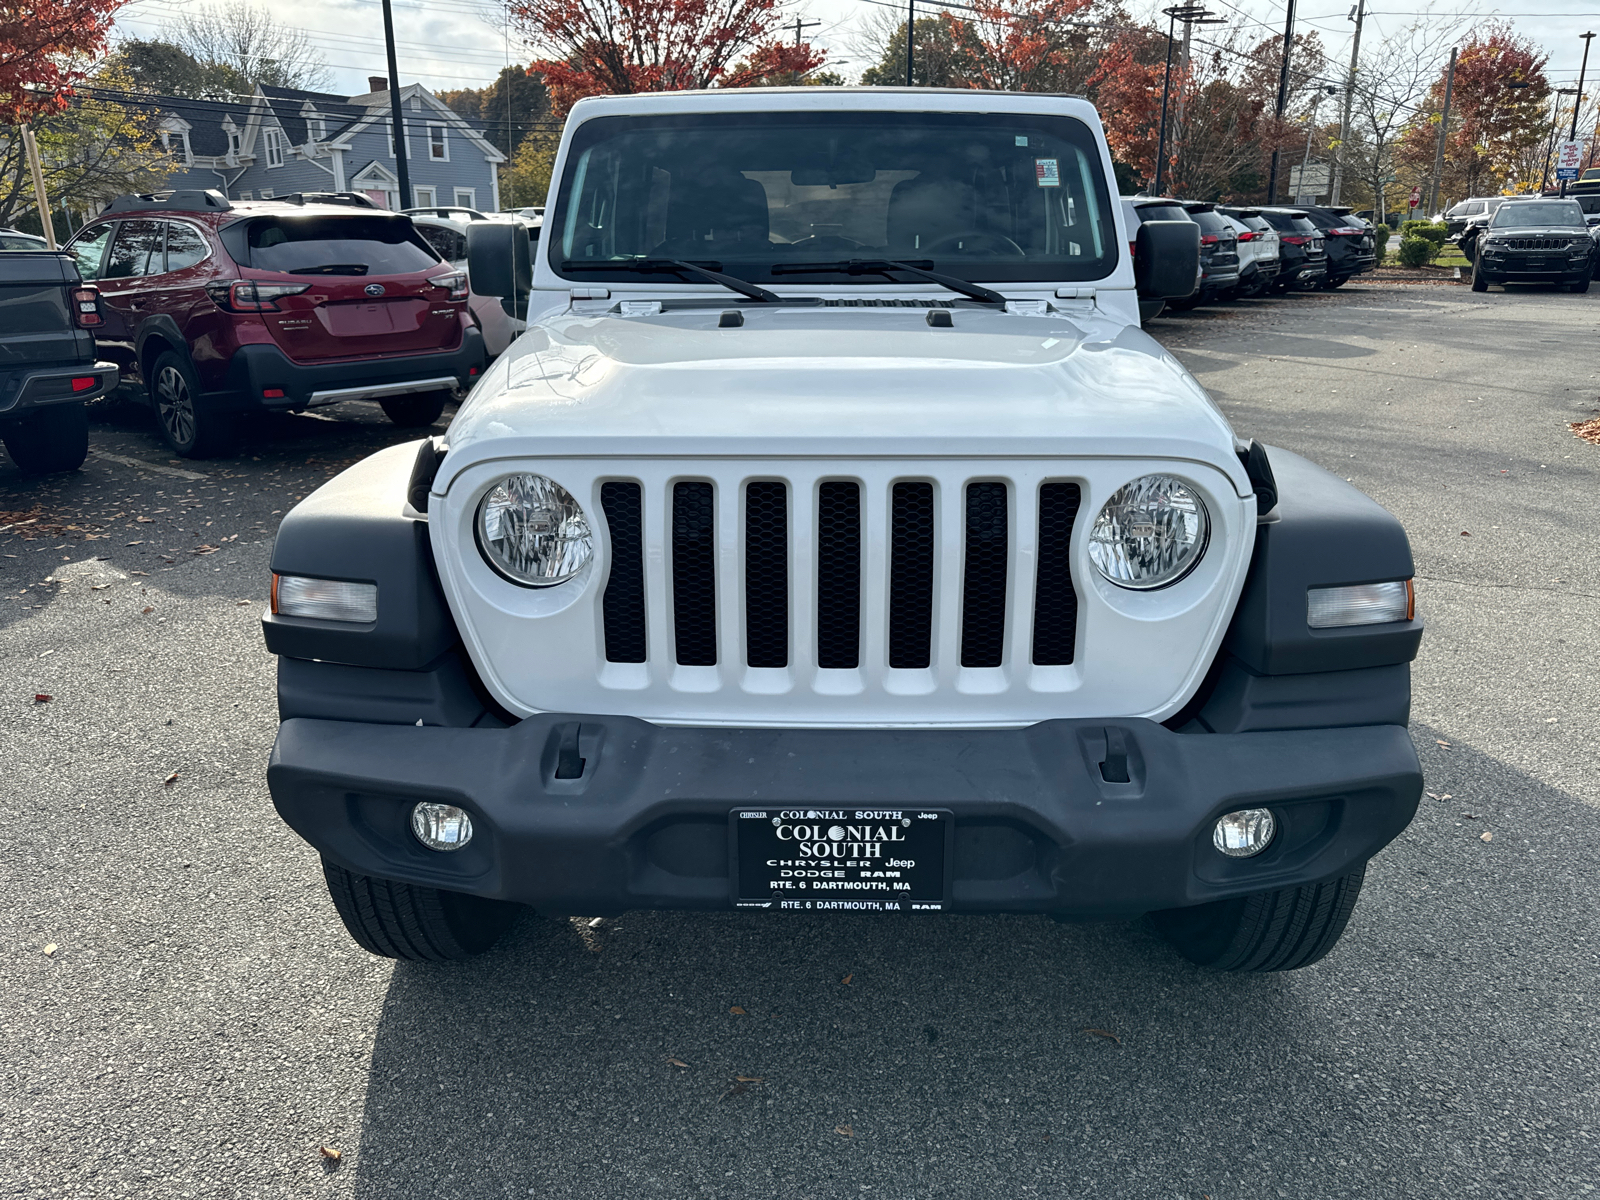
<point x="678" y="266"/>
<point x="883" y="266"/>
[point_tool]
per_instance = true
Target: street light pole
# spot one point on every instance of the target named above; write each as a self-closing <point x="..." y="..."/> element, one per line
<point x="911" y="31"/>
<point x="1283" y="100"/>
<point x="1349" y="98"/>
<point x="1555" y="121"/>
<point x="1578" y="103"/>
<point x="1190" y="15"/>
<point x="402" y="172"/>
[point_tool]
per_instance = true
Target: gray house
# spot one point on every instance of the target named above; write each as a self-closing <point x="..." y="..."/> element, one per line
<point x="282" y="141"/>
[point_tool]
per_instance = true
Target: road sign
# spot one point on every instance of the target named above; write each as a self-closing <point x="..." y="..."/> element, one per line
<point x="1312" y="181"/>
<point x="1569" y="161"/>
<point x="1416" y="196"/>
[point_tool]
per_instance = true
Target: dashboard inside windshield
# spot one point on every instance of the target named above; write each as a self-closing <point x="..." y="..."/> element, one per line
<point x="1004" y="197"/>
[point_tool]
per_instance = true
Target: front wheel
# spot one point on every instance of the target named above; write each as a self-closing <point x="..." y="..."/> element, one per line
<point x="1269" y="931"/>
<point x="419" y="924"/>
<point x="53" y="439"/>
<point x="1479" y="283"/>
<point x="414" y="411"/>
<point x="1580" y="287"/>
<point x="192" y="428"/>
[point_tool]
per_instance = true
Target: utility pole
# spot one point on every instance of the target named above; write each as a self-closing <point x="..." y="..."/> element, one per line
<point x="1349" y="99"/>
<point x="1444" y="128"/>
<point x="1555" y="121"/>
<point x="31" y="147"/>
<point x="1190" y="15"/>
<point x="794" y="76"/>
<point x="400" y="168"/>
<point x="1578" y="103"/>
<point x="911" y="31"/>
<point x="1283" y="99"/>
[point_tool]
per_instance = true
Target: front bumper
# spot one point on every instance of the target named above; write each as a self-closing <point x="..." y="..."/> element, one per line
<point x="1506" y="268"/>
<point x="257" y="368"/>
<point x="32" y="388"/>
<point x="1037" y="826"/>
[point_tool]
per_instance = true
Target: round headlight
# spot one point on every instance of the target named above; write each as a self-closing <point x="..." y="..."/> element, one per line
<point x="532" y="531"/>
<point x="1150" y="533"/>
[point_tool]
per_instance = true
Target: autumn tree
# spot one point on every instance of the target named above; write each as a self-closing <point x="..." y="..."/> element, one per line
<point x="249" y="41"/>
<point x="47" y="47"/>
<point x="936" y="60"/>
<point x="599" y="47"/>
<point x="165" y="69"/>
<point x="1499" y="115"/>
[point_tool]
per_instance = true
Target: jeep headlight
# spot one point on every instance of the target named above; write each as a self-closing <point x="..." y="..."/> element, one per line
<point x="1151" y="533"/>
<point x="533" y="532"/>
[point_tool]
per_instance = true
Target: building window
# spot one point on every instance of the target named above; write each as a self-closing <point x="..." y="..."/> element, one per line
<point x="466" y="197"/>
<point x="233" y="143"/>
<point x="246" y="196"/>
<point x="437" y="146"/>
<point x="427" y="197"/>
<point x="188" y="154"/>
<point x="318" y="128"/>
<point x="274" y="143"/>
<point x="266" y="193"/>
<point x="390" y="135"/>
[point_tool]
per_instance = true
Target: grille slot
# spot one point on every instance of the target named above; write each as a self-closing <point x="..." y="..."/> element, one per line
<point x="766" y="574"/>
<point x="694" y="584"/>
<point x="911" y="576"/>
<point x="1055" y="602"/>
<point x="623" y="605"/>
<point x="983" y="593"/>
<point x="839" y="576"/>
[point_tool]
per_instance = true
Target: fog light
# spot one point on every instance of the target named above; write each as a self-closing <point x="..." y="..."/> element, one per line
<point x="444" y="826"/>
<point x="324" y="599"/>
<point x="1242" y="834"/>
<point x="1361" y="604"/>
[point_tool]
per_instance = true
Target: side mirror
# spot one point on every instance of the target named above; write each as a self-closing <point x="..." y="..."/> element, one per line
<point x="500" y="263"/>
<point x="1167" y="259"/>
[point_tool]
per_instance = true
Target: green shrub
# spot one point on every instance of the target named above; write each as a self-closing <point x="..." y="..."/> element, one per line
<point x="1417" y="251"/>
<point x="1434" y="232"/>
<point x="1380" y="240"/>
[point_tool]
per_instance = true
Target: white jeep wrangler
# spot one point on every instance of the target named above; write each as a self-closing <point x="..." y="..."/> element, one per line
<point x="834" y="540"/>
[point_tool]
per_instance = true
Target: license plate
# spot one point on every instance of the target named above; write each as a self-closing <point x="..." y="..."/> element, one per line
<point x="842" y="859"/>
<point x="1533" y="264"/>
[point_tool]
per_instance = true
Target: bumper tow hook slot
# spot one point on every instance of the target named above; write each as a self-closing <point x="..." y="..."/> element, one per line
<point x="1115" y="767"/>
<point x="569" y="764"/>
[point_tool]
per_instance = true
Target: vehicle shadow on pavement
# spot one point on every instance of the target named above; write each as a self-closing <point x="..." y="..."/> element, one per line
<point x="738" y="1054"/>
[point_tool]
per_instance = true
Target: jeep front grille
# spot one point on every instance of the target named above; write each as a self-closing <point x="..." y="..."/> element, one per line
<point x="990" y="572"/>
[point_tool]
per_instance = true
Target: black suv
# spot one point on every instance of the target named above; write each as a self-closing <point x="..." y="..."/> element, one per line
<point x="48" y="319"/>
<point x="1348" y="239"/>
<point x="1302" y="256"/>
<point x="1219" y="255"/>
<point x="1536" y="241"/>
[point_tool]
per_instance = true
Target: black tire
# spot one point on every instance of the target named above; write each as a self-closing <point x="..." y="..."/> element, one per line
<point x="1479" y="283"/>
<point x="1580" y="287"/>
<point x="418" y="924"/>
<point x="193" y="428"/>
<point x="53" y="439"/>
<point x="414" y="411"/>
<point x="1334" y="281"/>
<point x="1270" y="931"/>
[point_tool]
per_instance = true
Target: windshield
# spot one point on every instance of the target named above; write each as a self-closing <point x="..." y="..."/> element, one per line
<point x="1556" y="212"/>
<point x="982" y="196"/>
<point x="353" y="245"/>
<point x="1162" y="212"/>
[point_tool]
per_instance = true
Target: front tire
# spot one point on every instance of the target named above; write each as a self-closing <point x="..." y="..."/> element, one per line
<point x="191" y="427"/>
<point x="1479" y="283"/>
<point x="418" y="924"/>
<point x="1580" y="287"/>
<point x="1269" y="931"/>
<point x="53" y="439"/>
<point x="415" y="411"/>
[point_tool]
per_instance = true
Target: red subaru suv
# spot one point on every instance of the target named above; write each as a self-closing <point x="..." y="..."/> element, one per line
<point x="225" y="307"/>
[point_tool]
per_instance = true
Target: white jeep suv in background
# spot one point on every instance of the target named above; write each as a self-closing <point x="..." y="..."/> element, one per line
<point x="834" y="540"/>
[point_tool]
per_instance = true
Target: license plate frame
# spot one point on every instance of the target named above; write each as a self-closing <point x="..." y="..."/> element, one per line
<point x="910" y="871"/>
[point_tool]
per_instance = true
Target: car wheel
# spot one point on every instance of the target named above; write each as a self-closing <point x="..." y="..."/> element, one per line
<point x="1580" y="287"/>
<point x="53" y="439"/>
<point x="191" y="427"/>
<point x="1479" y="283"/>
<point x="419" y="924"/>
<point x="1269" y="931"/>
<point x="415" y="411"/>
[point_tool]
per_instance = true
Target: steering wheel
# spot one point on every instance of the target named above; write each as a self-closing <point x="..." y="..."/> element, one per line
<point x="989" y="242"/>
<point x="827" y="241"/>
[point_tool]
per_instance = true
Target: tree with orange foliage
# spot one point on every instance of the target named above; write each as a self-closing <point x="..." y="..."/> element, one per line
<point x="1023" y="45"/>
<point x="47" y="47"/>
<point x="601" y="47"/>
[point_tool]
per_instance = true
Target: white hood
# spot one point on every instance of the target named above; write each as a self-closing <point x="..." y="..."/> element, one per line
<point x="838" y="381"/>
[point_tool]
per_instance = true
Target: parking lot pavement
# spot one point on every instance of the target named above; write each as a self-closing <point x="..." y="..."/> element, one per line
<point x="201" y="1026"/>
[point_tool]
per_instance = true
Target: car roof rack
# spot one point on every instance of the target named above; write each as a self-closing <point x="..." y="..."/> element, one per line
<point x="351" y="199"/>
<point x="445" y="210"/>
<point x="176" y="199"/>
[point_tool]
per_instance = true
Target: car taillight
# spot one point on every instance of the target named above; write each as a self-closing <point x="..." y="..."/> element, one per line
<point x="1296" y="239"/>
<point x="1347" y="231"/>
<point x="456" y="281"/>
<point x="86" y="307"/>
<point x="1208" y="239"/>
<point x="1133" y="249"/>
<point x="1248" y="237"/>
<point x="83" y="383"/>
<point x="246" y="295"/>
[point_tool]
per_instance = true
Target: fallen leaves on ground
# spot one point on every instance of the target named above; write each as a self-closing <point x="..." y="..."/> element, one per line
<point x="145" y="520"/>
<point x="332" y="1155"/>
<point x="1436" y="796"/>
<point x="747" y="1078"/>
<point x="848" y="977"/>
<point x="1588" y="430"/>
<point x="677" y="1062"/>
<point x="1486" y="836"/>
<point x="34" y="523"/>
<point x="170" y="780"/>
<point x="844" y="1131"/>
<point x="50" y="950"/>
<point x="41" y="698"/>
<point x="1110" y="1037"/>
<point x="1437" y="742"/>
<point x="147" y="609"/>
<point x="738" y="1012"/>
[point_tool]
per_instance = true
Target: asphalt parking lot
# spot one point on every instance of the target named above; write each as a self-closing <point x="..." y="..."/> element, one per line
<point x="183" y="1016"/>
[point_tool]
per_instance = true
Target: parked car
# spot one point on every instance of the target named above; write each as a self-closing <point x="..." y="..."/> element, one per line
<point x="1586" y="183"/>
<point x="448" y="237"/>
<point x="1258" y="250"/>
<point x="223" y="307"/>
<point x="15" y="239"/>
<point x="1536" y="241"/>
<point x="726" y="595"/>
<point x="1459" y="216"/>
<point x="48" y="367"/>
<point x="1302" y="256"/>
<point x="1219" y="255"/>
<point x="1136" y="210"/>
<point x="1352" y="250"/>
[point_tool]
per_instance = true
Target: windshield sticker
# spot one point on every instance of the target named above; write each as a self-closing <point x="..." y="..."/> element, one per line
<point x="1048" y="171"/>
<point x="1022" y="139"/>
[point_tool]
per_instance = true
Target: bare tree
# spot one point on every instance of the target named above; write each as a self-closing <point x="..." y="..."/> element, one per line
<point x="248" y="40"/>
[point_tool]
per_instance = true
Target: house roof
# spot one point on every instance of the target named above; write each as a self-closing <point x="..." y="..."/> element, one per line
<point x="205" y="119"/>
<point x="288" y="105"/>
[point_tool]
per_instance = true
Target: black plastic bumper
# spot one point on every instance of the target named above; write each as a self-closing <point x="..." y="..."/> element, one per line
<point x="25" y="390"/>
<point x="1037" y="826"/>
<point x="1513" y="272"/>
<point x="257" y="368"/>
